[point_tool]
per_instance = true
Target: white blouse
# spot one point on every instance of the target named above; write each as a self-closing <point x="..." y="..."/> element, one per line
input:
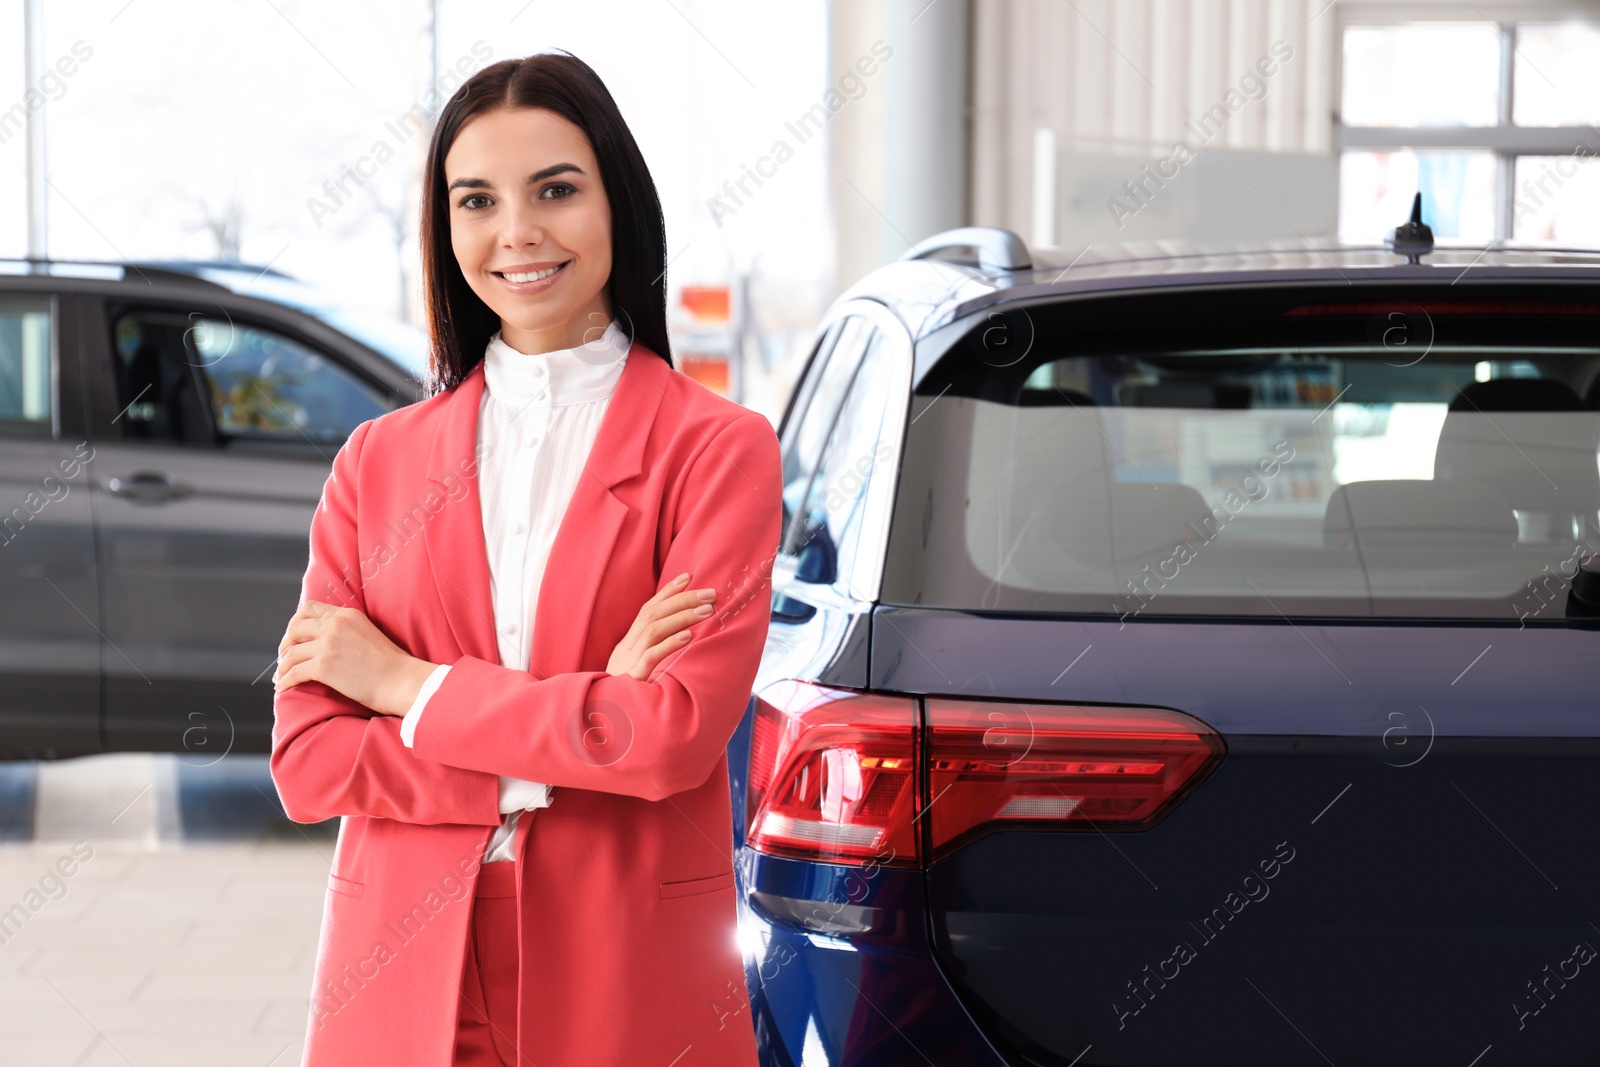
<point x="536" y="424"/>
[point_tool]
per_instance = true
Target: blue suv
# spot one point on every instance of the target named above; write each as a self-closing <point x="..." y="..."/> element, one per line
<point x="1184" y="658"/>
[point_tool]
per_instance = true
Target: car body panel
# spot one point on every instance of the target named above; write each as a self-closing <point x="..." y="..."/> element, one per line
<point x="50" y="646"/>
<point x="1425" y="780"/>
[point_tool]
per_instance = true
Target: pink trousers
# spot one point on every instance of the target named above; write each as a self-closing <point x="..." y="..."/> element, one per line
<point x="486" y="1033"/>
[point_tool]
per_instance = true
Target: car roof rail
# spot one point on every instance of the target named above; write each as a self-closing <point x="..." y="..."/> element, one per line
<point x="997" y="248"/>
<point x="148" y="270"/>
<point x="192" y="267"/>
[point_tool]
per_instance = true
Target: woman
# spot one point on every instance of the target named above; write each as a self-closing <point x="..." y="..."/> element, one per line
<point x="534" y="861"/>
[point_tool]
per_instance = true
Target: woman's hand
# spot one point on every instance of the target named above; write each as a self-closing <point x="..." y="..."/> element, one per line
<point x="341" y="648"/>
<point x="661" y="628"/>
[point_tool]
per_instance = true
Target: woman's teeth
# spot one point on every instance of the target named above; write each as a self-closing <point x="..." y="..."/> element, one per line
<point x="535" y="276"/>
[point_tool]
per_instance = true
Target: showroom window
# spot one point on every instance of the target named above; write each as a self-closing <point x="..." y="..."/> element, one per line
<point x="1491" y="121"/>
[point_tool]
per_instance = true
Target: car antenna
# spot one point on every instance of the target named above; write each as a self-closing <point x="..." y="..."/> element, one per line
<point x="1412" y="239"/>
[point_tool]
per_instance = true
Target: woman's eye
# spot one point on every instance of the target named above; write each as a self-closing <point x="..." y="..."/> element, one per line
<point x="569" y="190"/>
<point x="466" y="202"/>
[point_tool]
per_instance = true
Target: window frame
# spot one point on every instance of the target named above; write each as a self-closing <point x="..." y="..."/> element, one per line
<point x="1505" y="140"/>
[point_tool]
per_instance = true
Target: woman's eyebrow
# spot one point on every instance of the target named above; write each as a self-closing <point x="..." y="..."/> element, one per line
<point x="536" y="176"/>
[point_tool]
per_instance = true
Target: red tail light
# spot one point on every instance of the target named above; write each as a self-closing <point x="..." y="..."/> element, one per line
<point x="841" y="776"/>
<point x="833" y="776"/>
<point x="996" y="766"/>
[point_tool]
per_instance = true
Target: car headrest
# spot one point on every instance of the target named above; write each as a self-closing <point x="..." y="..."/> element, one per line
<point x="1088" y="534"/>
<point x="1159" y="516"/>
<point x="1131" y="521"/>
<point x="1516" y="394"/>
<point x="1413" y="513"/>
<point x="1531" y="439"/>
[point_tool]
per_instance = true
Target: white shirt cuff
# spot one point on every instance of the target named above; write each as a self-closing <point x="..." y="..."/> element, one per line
<point x="408" y="724"/>
<point x="519" y="794"/>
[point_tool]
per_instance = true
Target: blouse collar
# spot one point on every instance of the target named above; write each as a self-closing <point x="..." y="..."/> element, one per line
<point x="572" y="375"/>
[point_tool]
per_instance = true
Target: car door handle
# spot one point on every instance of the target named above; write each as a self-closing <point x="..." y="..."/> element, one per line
<point x="148" y="485"/>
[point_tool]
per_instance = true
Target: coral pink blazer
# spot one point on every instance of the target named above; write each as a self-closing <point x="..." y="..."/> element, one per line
<point x="625" y="882"/>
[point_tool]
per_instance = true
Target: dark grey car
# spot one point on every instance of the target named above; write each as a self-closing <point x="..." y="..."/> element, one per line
<point x="165" y="432"/>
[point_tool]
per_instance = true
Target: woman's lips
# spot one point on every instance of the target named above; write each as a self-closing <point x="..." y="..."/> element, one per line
<point x="526" y="288"/>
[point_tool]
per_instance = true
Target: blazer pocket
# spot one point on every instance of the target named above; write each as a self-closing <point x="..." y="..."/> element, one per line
<point x="346" y="886"/>
<point x="695" y="886"/>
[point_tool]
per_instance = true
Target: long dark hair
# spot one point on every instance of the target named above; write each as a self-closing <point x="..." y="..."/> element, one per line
<point x="459" y="323"/>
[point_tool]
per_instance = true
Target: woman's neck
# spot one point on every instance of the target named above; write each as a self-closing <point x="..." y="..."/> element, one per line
<point x="585" y="327"/>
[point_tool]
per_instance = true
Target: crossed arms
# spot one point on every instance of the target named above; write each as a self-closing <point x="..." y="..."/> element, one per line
<point x="584" y="729"/>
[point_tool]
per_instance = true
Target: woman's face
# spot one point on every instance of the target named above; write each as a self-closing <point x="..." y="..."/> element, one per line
<point x="525" y="196"/>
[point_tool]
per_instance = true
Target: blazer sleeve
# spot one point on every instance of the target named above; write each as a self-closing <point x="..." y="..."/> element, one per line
<point x="332" y="756"/>
<point x="615" y="733"/>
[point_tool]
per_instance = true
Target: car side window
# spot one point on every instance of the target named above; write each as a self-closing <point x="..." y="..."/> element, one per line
<point x="806" y="430"/>
<point x="804" y="410"/>
<point x="26" y="397"/>
<point x="203" y="379"/>
<point x="826" y="524"/>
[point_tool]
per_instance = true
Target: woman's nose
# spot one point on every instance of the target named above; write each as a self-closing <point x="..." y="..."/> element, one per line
<point x="523" y="226"/>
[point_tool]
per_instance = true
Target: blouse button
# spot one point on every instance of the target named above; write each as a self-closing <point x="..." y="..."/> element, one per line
<point x="509" y="629"/>
<point x="518" y="529"/>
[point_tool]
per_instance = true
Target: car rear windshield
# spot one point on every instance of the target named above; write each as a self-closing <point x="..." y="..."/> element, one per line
<point x="1347" y="451"/>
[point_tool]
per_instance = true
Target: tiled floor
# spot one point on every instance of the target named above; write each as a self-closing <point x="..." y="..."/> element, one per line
<point x="161" y="914"/>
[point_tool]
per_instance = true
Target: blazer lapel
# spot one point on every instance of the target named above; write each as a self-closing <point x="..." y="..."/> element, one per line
<point x="458" y="551"/>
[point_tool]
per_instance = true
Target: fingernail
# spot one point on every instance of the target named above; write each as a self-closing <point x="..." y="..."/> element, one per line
<point x="681" y="578"/>
<point x="703" y="609"/>
<point x="706" y="594"/>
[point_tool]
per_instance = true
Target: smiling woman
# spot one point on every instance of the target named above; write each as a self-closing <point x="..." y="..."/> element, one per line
<point x="497" y="623"/>
<point x="540" y="161"/>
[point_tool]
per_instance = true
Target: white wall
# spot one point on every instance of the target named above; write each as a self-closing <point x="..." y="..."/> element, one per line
<point x="1116" y="81"/>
